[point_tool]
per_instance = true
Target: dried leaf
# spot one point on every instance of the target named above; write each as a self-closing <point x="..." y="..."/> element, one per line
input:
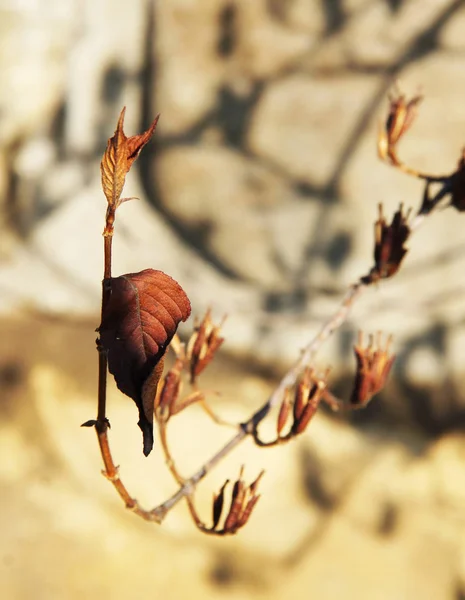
<point x="218" y="503"/>
<point x="308" y="395"/>
<point x="203" y="345"/>
<point x="150" y="386"/>
<point x="390" y="242"/>
<point x="192" y="398"/>
<point x="309" y="410"/>
<point x="237" y="506"/>
<point x="301" y="393"/>
<point x="247" y="511"/>
<point x="243" y="501"/>
<point x="458" y="185"/>
<point x="139" y="320"/>
<point x="118" y="158"/>
<point x="284" y="412"/>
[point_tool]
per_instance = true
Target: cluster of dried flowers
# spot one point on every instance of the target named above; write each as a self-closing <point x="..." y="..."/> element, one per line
<point x="141" y="313"/>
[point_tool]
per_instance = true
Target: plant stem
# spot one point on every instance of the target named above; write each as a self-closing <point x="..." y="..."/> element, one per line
<point x="396" y="162"/>
<point x="189" y="485"/>
<point x="102" y="422"/>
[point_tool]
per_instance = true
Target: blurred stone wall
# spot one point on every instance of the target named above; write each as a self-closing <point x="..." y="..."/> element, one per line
<point x="260" y="189"/>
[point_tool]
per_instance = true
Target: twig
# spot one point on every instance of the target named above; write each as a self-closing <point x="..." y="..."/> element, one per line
<point x="249" y="427"/>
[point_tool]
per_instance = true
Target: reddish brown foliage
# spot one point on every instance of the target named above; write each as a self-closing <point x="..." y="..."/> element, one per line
<point x="139" y="320"/>
<point x="121" y="152"/>
<point x="203" y="345"/>
<point x="401" y="115"/>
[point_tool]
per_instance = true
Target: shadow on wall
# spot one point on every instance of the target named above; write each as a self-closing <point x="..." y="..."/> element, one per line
<point x="230" y="117"/>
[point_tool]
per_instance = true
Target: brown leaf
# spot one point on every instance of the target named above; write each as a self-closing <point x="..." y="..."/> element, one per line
<point x="139" y="320"/>
<point x="203" y="345"/>
<point x="119" y="155"/>
<point x="284" y="412"/>
<point x="218" y="503"/>
<point x="243" y="501"/>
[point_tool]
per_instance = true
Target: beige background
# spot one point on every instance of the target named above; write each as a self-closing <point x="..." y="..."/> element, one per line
<point x="258" y="194"/>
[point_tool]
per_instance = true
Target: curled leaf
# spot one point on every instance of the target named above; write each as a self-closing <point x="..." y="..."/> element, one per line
<point x="118" y="158"/>
<point x="138" y="322"/>
<point x="169" y="391"/>
<point x="203" y="345"/>
<point x="309" y="393"/>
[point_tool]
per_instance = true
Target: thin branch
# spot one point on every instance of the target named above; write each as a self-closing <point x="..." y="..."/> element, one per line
<point x="111" y="472"/>
<point x="166" y="451"/>
<point x="249" y="426"/>
<point x="306" y="357"/>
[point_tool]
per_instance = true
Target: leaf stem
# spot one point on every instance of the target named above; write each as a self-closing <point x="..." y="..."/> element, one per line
<point x="189" y="485"/>
<point x="102" y="422"/>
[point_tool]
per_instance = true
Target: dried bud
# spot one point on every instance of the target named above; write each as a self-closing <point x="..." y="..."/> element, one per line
<point x="400" y="118"/>
<point x="243" y="501"/>
<point x="457" y="183"/>
<point x="170" y="389"/>
<point x="389" y="245"/>
<point x="284" y="412"/>
<point x="308" y="394"/>
<point x="373" y="366"/>
<point x="120" y="154"/>
<point x="203" y="345"/>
